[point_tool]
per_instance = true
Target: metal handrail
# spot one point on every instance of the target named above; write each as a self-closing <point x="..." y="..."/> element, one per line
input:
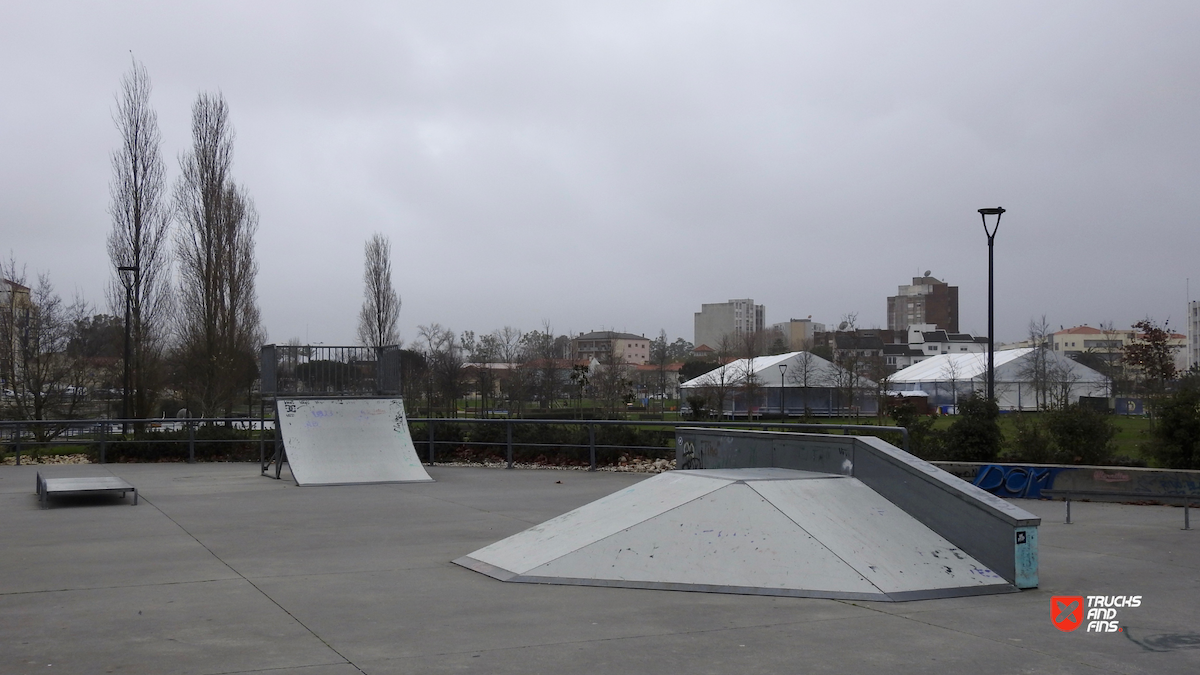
<point x="1068" y="494"/>
<point x="15" y="430"/>
<point x="592" y="424"/>
<point x="101" y="432"/>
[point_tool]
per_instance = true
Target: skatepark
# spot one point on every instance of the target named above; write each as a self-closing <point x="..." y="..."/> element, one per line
<point x="220" y="570"/>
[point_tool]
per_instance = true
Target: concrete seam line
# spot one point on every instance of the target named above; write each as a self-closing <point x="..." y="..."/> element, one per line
<point x="1009" y="643"/>
<point x="255" y="586"/>
<point x="85" y="589"/>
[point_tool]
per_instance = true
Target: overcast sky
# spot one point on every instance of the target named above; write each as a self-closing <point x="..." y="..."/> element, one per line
<point x="614" y="165"/>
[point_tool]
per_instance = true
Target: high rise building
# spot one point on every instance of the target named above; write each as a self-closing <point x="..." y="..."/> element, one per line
<point x="926" y="301"/>
<point x="718" y="321"/>
<point x="1193" y="333"/>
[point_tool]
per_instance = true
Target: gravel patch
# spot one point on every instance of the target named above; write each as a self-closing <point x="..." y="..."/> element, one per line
<point x="47" y="459"/>
<point x="625" y="465"/>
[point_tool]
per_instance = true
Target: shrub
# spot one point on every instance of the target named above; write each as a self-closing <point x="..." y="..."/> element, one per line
<point x="1031" y="442"/>
<point x="1080" y="435"/>
<point x="975" y="436"/>
<point x="923" y="440"/>
<point x="1176" y="442"/>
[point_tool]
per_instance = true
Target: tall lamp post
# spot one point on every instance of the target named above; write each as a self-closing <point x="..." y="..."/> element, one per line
<point x="782" y="393"/>
<point x="128" y="276"/>
<point x="991" y="236"/>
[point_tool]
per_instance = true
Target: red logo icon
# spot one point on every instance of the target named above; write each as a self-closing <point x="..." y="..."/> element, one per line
<point x="1066" y="611"/>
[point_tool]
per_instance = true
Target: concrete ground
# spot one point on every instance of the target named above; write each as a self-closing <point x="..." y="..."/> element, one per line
<point x="219" y="570"/>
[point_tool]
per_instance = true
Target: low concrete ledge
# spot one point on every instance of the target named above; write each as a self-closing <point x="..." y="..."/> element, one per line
<point x="1121" y="484"/>
<point x="997" y="533"/>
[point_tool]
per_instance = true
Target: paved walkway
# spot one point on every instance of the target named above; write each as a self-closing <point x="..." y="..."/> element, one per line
<point x="219" y="570"/>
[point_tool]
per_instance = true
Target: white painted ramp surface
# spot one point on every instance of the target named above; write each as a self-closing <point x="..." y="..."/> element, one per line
<point x="346" y="441"/>
<point x="761" y="531"/>
<point x="604" y="517"/>
<point x="890" y="548"/>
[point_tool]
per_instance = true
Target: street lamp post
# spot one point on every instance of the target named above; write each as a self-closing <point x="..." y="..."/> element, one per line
<point x="991" y="236"/>
<point x="782" y="393"/>
<point x="128" y="275"/>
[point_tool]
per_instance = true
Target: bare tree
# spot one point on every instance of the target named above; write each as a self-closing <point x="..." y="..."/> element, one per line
<point x="952" y="373"/>
<point x="481" y="354"/>
<point x="1036" y="369"/>
<point x="381" y="304"/>
<point x="543" y="351"/>
<point x="723" y="381"/>
<point x="443" y="354"/>
<point x="141" y="220"/>
<point x="805" y="372"/>
<point x="611" y="382"/>
<point x="1060" y="380"/>
<point x="1111" y="352"/>
<point x="509" y="343"/>
<point x="851" y="361"/>
<point x="660" y="356"/>
<point x="881" y="373"/>
<point x="219" y="326"/>
<point x="43" y="377"/>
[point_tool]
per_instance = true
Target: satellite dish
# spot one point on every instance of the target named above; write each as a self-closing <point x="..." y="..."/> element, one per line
<point x="842" y="325"/>
<point x="928" y="272"/>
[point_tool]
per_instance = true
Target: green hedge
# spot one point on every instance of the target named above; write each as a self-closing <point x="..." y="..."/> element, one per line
<point x="213" y="444"/>
<point x="540" y="443"/>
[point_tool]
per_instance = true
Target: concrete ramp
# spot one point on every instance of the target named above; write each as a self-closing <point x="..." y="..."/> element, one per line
<point x="347" y="441"/>
<point x="762" y="531"/>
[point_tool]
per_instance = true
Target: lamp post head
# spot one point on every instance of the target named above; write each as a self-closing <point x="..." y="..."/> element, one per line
<point x="127" y="275"/>
<point x="984" y="213"/>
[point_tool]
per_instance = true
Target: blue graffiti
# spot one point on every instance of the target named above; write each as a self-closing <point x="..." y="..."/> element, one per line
<point x="1016" y="481"/>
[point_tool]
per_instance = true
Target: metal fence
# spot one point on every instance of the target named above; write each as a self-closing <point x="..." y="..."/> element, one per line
<point x="429" y="434"/>
<point x="26" y="437"/>
<point x="321" y="370"/>
<point x="430" y="442"/>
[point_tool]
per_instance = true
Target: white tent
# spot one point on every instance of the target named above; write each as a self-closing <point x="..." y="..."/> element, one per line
<point x="824" y="391"/>
<point x="946" y="378"/>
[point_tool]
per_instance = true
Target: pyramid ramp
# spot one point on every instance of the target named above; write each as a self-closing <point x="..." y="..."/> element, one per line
<point x="348" y="441"/>
<point x="761" y="531"/>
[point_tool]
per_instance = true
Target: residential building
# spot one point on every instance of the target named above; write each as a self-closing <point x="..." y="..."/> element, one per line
<point x="1108" y="345"/>
<point x="1193" y="334"/>
<point x="716" y="322"/>
<point x="651" y="380"/>
<point x="14" y="300"/>
<point x="857" y="347"/>
<point x="923" y="341"/>
<point x="898" y="356"/>
<point x="799" y="334"/>
<point x="1080" y="339"/>
<point x="926" y="300"/>
<point x="605" y="345"/>
<point x="934" y="341"/>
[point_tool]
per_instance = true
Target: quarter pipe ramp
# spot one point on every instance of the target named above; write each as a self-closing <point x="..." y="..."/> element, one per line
<point x="347" y="441"/>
